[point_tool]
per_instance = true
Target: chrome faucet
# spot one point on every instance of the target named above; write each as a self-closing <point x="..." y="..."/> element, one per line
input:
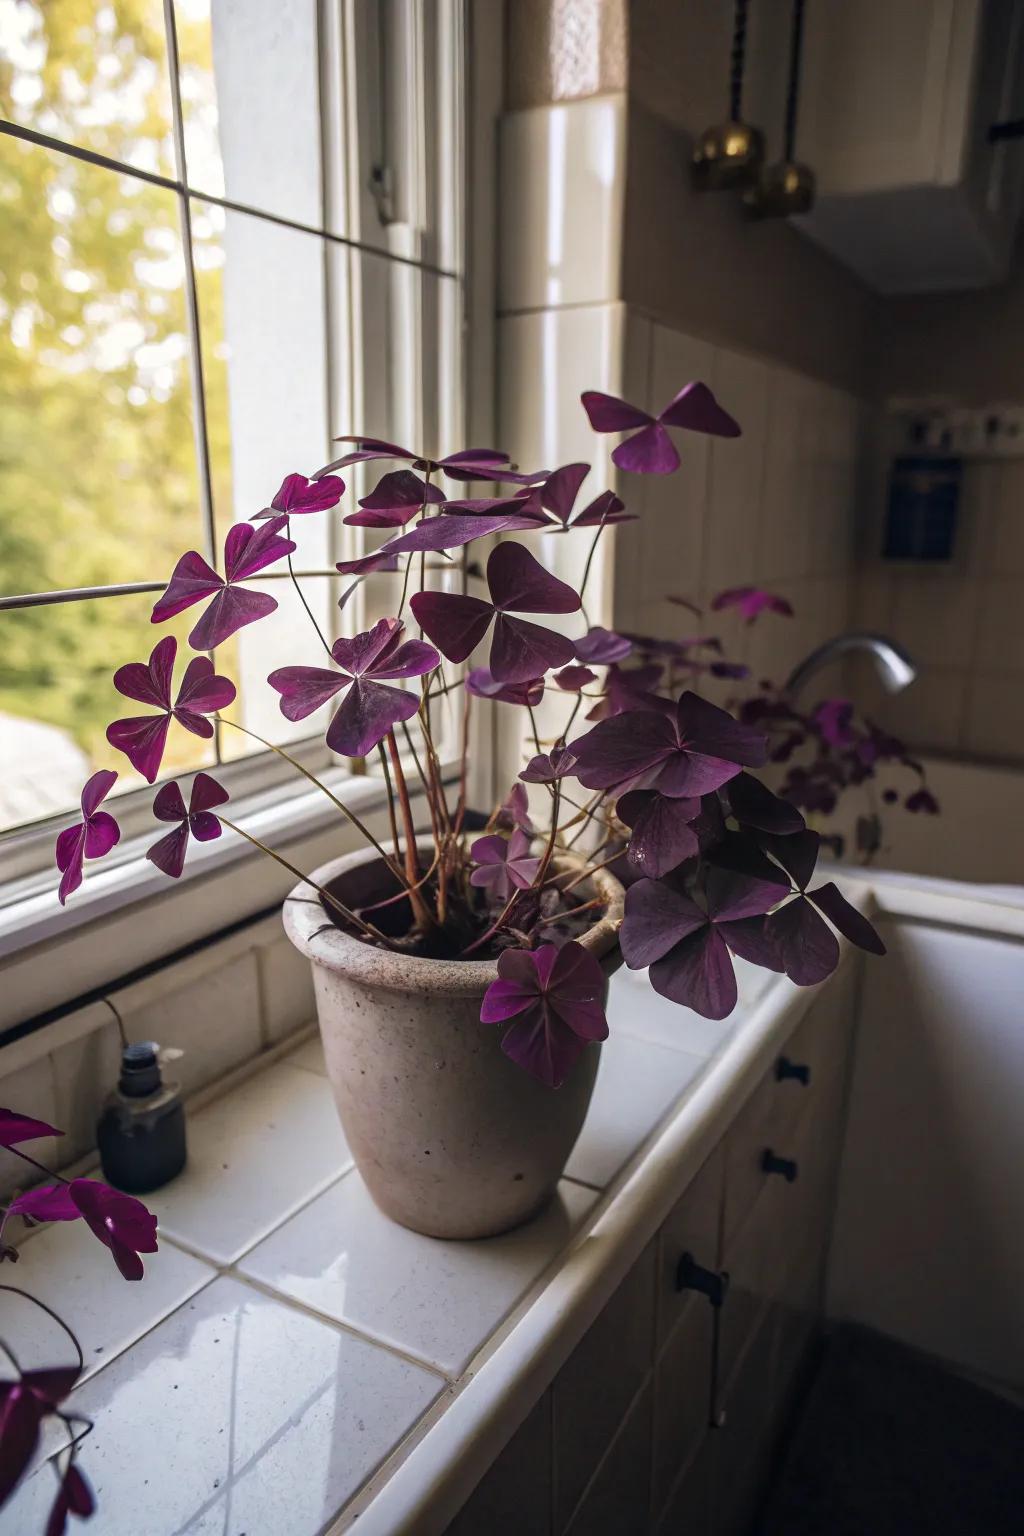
<point x="895" y="667"/>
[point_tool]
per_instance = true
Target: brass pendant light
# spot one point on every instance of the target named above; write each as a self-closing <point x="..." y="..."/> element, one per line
<point x="786" y="186"/>
<point x="728" y="156"/>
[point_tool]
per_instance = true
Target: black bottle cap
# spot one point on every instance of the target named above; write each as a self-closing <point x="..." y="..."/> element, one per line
<point x="140" y="1069"/>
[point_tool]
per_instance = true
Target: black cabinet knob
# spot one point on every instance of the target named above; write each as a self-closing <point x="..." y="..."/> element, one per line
<point x="787" y="1071"/>
<point x="784" y="1166"/>
<point x="691" y="1276"/>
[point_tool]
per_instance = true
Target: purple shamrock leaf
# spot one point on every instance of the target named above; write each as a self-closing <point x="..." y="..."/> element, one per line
<point x="15" y="1128"/>
<point x="198" y="821"/>
<point x="546" y="767"/>
<point x="557" y="999"/>
<point x="626" y="690"/>
<point x="833" y="719"/>
<point x="651" y="451"/>
<point x="517" y="584"/>
<point x="90" y="838"/>
<point x="751" y="601"/>
<point x="806" y="946"/>
<point x="557" y="495"/>
<point x="688" y="947"/>
<point x="24" y="1404"/>
<point x="453" y="530"/>
<point x="503" y="863"/>
<point x="380" y="560"/>
<point x="74" y="1497"/>
<point x="370" y="708"/>
<point x="514" y="810"/>
<point x="601" y="647"/>
<point x="662" y="834"/>
<point x="922" y="800"/>
<point x="122" y="1223"/>
<point x="753" y="805"/>
<point x="394" y="501"/>
<point x="247" y="550"/>
<point x="575" y="679"/>
<point x="467" y="464"/>
<point x="483" y="685"/>
<point x="299" y="495"/>
<point x="202" y="692"/>
<point x="683" y="750"/>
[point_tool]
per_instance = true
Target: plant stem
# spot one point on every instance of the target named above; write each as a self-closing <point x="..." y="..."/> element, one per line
<point x="391" y="804"/>
<point x="369" y="931"/>
<point x="302" y="600"/>
<point x="361" y="827"/>
<point x="26" y="1158"/>
<point x="421" y="912"/>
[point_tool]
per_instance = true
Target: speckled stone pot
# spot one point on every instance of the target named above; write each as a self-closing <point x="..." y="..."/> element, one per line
<point x="451" y="1138"/>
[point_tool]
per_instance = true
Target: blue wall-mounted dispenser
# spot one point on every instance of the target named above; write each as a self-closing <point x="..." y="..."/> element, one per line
<point x="921" y="513"/>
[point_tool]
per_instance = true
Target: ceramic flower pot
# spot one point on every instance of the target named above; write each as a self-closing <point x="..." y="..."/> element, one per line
<point x="451" y="1137"/>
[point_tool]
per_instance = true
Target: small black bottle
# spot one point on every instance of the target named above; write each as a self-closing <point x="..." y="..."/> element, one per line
<point x="141" y="1132"/>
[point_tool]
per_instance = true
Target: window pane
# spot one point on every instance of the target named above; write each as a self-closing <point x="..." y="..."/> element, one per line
<point x="250" y="103"/>
<point x="98" y="480"/>
<point x="91" y="73"/>
<point x="263" y="315"/>
<point x="57" y="698"/>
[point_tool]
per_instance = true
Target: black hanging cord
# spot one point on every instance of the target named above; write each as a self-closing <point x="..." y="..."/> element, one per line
<point x="796" y="43"/>
<point x="739" y="49"/>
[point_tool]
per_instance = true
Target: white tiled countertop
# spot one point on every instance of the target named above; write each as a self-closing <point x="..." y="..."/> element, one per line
<point x="293" y="1359"/>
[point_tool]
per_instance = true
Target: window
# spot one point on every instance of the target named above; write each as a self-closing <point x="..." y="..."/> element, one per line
<point x="230" y="231"/>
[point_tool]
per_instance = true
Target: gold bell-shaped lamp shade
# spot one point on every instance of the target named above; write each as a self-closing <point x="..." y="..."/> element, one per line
<point x="728" y="156"/>
<point x="786" y="186"/>
<point x="782" y="188"/>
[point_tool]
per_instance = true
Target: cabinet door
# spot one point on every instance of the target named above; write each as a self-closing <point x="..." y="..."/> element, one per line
<point x="682" y="1397"/>
<point x="886" y="91"/>
<point x="592" y="1393"/>
<point x="744" y="1441"/>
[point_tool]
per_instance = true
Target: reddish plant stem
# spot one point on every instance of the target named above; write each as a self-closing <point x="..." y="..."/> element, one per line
<point x="420" y="910"/>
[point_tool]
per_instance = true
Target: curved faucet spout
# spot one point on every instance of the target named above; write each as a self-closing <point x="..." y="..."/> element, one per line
<point x="896" y="669"/>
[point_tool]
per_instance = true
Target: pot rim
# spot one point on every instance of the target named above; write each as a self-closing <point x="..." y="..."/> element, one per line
<point x="383" y="969"/>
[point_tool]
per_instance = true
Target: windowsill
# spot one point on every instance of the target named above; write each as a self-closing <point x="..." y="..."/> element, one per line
<point x="391" y="1397"/>
<point x="131" y="915"/>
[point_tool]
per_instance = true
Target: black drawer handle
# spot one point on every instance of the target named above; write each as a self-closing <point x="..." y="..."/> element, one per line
<point x="787" y="1071"/>
<point x="691" y="1276"/>
<point x="785" y="1166"/>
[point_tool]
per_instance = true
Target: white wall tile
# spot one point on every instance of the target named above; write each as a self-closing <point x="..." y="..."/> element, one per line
<point x="737" y="473"/>
<point x="215" y="1020"/>
<point x="1000" y="641"/>
<point x="562" y="179"/>
<point x="286" y="987"/>
<point x="994" y="719"/>
<point x="85" y="1071"/>
<point x="29" y="1091"/>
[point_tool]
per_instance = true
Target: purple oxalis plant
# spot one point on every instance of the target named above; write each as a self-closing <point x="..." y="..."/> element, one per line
<point x="657" y="784"/>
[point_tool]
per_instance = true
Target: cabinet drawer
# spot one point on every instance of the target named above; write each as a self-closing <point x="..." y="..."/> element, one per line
<point x="682" y="1396"/>
<point x="688" y="1512"/>
<point x="788" y="1219"/>
<point x="693" y="1228"/>
<point x="744" y="1444"/>
<point x="808" y="1070"/>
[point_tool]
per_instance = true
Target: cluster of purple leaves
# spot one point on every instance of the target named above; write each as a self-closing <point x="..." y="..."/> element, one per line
<point x="706" y="845"/>
<point x="125" y="1227"/>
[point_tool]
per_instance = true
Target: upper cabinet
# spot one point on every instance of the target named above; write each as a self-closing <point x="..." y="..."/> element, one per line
<point x="895" y="109"/>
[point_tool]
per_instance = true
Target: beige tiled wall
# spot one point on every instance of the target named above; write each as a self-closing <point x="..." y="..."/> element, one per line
<point x="775" y="508"/>
<point x="963" y="622"/>
<point x="223" y="1006"/>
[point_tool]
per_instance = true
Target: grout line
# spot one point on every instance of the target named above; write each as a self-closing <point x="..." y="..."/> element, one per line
<point x="243" y="1253"/>
<point x="294" y="1304"/>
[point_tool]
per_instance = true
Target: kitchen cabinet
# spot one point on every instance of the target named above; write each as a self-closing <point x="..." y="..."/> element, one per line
<point x="896" y="102"/>
<point x="667" y="1414"/>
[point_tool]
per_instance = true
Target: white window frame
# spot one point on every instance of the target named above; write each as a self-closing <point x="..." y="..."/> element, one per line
<point x="125" y="914"/>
